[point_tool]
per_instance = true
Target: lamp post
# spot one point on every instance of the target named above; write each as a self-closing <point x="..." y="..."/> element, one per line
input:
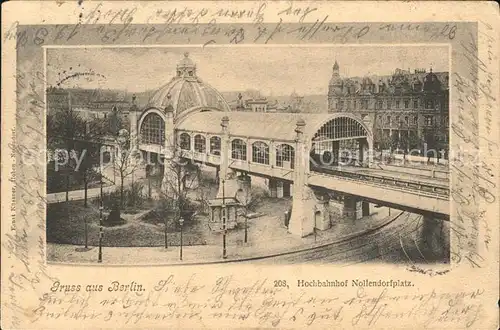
<point x="224" y="252"/>
<point x="246" y="228"/>
<point x="99" y="259"/>
<point x="181" y="222"/>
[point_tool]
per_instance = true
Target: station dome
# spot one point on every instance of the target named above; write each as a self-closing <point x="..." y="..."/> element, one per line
<point x="186" y="92"/>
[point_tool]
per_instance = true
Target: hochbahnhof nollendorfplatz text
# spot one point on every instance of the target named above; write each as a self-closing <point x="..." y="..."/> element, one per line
<point x="353" y="283"/>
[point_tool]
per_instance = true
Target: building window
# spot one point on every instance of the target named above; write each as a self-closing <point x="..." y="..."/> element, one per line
<point x="238" y="149"/>
<point x="406" y="120"/>
<point x="415" y="104"/>
<point x="215" y="145"/>
<point x="397" y="104"/>
<point x="199" y="143"/>
<point x="415" y="120"/>
<point x="429" y="104"/>
<point x="398" y="120"/>
<point x="364" y="104"/>
<point x="260" y="153"/>
<point x="185" y="141"/>
<point x="407" y="104"/>
<point x="389" y="104"/>
<point x="355" y="105"/>
<point x="380" y="104"/>
<point x="388" y="120"/>
<point x="429" y="120"/>
<point x="153" y="129"/>
<point x="285" y="154"/>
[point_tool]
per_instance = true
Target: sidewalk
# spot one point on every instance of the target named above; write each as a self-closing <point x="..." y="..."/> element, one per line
<point x="237" y="250"/>
<point x="92" y="192"/>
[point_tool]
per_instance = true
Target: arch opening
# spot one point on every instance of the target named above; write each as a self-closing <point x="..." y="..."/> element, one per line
<point x="341" y="141"/>
<point x="152" y="130"/>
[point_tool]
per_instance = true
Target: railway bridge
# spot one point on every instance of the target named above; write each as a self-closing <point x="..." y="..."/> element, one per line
<point x="315" y="154"/>
<point x="312" y="157"/>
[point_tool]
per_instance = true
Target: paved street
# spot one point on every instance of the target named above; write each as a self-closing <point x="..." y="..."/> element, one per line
<point x="378" y="237"/>
<point x="394" y="243"/>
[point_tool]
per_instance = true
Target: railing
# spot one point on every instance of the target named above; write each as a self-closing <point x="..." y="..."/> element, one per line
<point x="429" y="189"/>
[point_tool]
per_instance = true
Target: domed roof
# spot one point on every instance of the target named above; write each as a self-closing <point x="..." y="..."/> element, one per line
<point x="186" y="91"/>
<point x="431" y="82"/>
<point x="336" y="80"/>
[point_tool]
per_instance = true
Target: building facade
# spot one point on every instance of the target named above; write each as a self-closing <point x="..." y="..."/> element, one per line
<point x="405" y="110"/>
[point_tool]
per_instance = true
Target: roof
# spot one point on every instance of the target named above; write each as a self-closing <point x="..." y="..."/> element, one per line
<point x="400" y="77"/>
<point x="270" y="126"/>
<point x="186" y="91"/>
<point x="184" y="94"/>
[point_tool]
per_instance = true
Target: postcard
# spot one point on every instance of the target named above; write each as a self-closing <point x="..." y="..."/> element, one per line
<point x="250" y="164"/>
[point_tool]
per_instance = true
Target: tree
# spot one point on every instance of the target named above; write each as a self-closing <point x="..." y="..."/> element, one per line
<point x="125" y="160"/>
<point x="394" y="142"/>
<point x="203" y="193"/>
<point x="81" y="139"/>
<point x="177" y="182"/>
<point x="384" y="143"/>
<point x="87" y="147"/>
<point x="62" y="131"/>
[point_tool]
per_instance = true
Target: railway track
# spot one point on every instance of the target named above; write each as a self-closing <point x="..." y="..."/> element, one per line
<point x="392" y="242"/>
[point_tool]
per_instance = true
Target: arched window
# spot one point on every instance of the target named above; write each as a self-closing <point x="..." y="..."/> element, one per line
<point x="238" y="149"/>
<point x="260" y="153"/>
<point x="200" y="143"/>
<point x="153" y="129"/>
<point x="215" y="145"/>
<point x="285" y="156"/>
<point x="185" y="141"/>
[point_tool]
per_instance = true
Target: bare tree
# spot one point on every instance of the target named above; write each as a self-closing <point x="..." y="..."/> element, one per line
<point x="179" y="178"/>
<point x="203" y="193"/>
<point x="125" y="160"/>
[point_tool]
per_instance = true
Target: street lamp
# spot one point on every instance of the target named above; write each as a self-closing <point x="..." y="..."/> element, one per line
<point x="224" y="252"/>
<point x="181" y="222"/>
<point x="246" y="227"/>
<point x="99" y="259"/>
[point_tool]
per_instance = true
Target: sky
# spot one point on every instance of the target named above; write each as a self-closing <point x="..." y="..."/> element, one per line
<point x="272" y="70"/>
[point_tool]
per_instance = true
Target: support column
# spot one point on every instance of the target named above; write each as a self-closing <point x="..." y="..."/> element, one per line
<point x="249" y="150"/>
<point x="361" y="151"/>
<point x="336" y="152"/>
<point x="135" y="155"/>
<point x="352" y="208"/>
<point x="287" y="189"/>
<point x="303" y="207"/>
<point x="273" y="188"/>
<point x="133" y="126"/>
<point x="228" y="185"/>
<point x="433" y="238"/>
<point x="365" y="206"/>
<point x="169" y="175"/>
